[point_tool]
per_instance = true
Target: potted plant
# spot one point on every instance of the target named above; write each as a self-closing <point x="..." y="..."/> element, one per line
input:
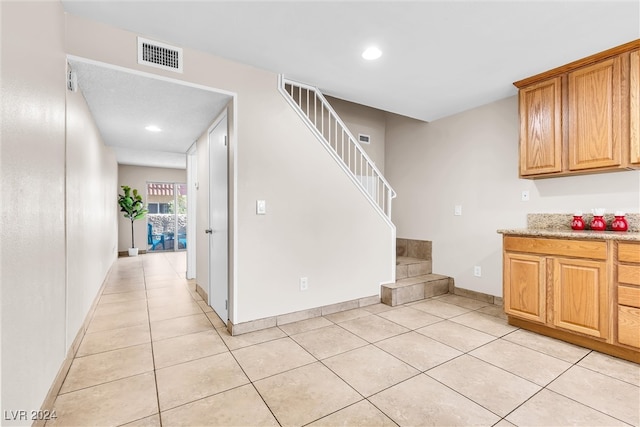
<point x="131" y="204"/>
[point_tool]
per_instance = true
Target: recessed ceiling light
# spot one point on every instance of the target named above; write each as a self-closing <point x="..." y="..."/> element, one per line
<point x="153" y="128"/>
<point x="372" y="53"/>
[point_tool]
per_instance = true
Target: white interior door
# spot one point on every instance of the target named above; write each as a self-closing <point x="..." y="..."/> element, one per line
<point x="218" y="220"/>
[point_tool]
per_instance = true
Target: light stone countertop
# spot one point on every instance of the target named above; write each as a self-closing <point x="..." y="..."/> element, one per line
<point x="559" y="226"/>
<point x="571" y="234"/>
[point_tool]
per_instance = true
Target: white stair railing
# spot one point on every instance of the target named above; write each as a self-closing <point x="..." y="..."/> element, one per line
<point x="323" y="121"/>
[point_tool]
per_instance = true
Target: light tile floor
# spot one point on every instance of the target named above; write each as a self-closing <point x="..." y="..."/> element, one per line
<point x="155" y="354"/>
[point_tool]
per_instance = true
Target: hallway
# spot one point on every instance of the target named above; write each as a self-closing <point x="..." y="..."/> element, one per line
<point x="155" y="354"/>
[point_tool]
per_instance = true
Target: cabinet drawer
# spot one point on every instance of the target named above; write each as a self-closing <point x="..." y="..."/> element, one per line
<point x="629" y="326"/>
<point x="629" y="274"/>
<point x="628" y="252"/>
<point x="570" y="248"/>
<point x="629" y="296"/>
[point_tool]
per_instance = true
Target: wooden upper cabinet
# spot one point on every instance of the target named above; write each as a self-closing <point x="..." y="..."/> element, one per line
<point x="541" y="128"/>
<point x="634" y="107"/>
<point x="582" y="117"/>
<point x="594" y="106"/>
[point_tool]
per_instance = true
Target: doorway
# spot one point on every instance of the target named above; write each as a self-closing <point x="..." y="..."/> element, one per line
<point x="218" y="217"/>
<point x="167" y="217"/>
<point x="131" y="96"/>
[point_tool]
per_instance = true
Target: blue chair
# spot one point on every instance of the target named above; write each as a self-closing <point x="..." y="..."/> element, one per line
<point x="154" y="240"/>
<point x="182" y="241"/>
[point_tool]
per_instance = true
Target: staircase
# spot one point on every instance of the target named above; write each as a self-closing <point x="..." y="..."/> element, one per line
<point x="316" y="112"/>
<point x="414" y="278"/>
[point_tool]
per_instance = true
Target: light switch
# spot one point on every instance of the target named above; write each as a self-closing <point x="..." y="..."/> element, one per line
<point x="261" y="207"/>
<point x="457" y="210"/>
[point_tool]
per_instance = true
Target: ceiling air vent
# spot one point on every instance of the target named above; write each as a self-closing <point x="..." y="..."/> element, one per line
<point x="159" y="55"/>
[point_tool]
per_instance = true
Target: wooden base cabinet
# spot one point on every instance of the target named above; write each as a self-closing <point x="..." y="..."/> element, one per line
<point x="582" y="291"/>
<point x="628" y="287"/>
<point x="580" y="296"/>
<point x="629" y="326"/>
<point x="525" y="290"/>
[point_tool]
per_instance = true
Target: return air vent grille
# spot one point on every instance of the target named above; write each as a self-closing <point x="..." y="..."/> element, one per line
<point x="159" y="55"/>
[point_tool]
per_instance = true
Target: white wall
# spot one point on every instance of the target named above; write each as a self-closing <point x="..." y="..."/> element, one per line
<point x="91" y="211"/>
<point x="318" y="225"/>
<point x="33" y="204"/>
<point x="365" y="120"/>
<point x="58" y="211"/>
<point x="137" y="177"/>
<point x="471" y="159"/>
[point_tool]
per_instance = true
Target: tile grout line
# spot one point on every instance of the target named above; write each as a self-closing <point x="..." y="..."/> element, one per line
<point x="463" y="396"/>
<point x="498" y="367"/>
<point x="375" y="345"/>
<point x="76" y="357"/>
<point x="251" y="381"/>
<point x="574" y="400"/>
<point x="348" y="406"/>
<point x="421" y="372"/>
<point x="153" y="359"/>
<point x="204" y="357"/>
<point x="544" y="387"/>
<point x="316" y="360"/>
<point x="241" y="368"/>
<point x="609" y="376"/>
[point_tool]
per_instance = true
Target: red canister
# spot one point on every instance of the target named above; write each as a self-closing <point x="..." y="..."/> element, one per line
<point x="598" y="223"/>
<point x="577" y="223"/>
<point x="620" y="222"/>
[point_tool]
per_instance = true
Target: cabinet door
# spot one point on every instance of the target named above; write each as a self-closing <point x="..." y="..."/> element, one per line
<point x="580" y="296"/>
<point x="634" y="107"/>
<point x="524" y="286"/>
<point x="541" y="128"/>
<point x="629" y="326"/>
<point x="595" y="115"/>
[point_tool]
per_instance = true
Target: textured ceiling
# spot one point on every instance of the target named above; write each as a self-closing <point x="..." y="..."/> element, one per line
<point x="123" y="104"/>
<point x="439" y="57"/>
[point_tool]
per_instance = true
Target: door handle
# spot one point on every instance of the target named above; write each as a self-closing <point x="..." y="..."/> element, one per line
<point x="208" y="231"/>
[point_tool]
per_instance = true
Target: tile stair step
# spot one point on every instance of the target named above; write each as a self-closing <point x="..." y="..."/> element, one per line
<point x="412" y="267"/>
<point x="414" y="289"/>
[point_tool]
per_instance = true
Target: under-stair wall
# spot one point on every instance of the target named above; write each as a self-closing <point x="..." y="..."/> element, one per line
<point x="322" y="120"/>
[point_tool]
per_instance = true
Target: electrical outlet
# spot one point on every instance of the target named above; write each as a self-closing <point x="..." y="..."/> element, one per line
<point x="304" y="283"/>
<point x="261" y="207"/>
<point x="477" y="271"/>
<point x="525" y="196"/>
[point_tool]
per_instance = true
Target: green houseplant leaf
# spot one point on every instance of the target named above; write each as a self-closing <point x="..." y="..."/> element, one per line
<point x="132" y="206"/>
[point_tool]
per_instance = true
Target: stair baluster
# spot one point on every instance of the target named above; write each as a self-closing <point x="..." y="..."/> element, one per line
<point x="334" y="135"/>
